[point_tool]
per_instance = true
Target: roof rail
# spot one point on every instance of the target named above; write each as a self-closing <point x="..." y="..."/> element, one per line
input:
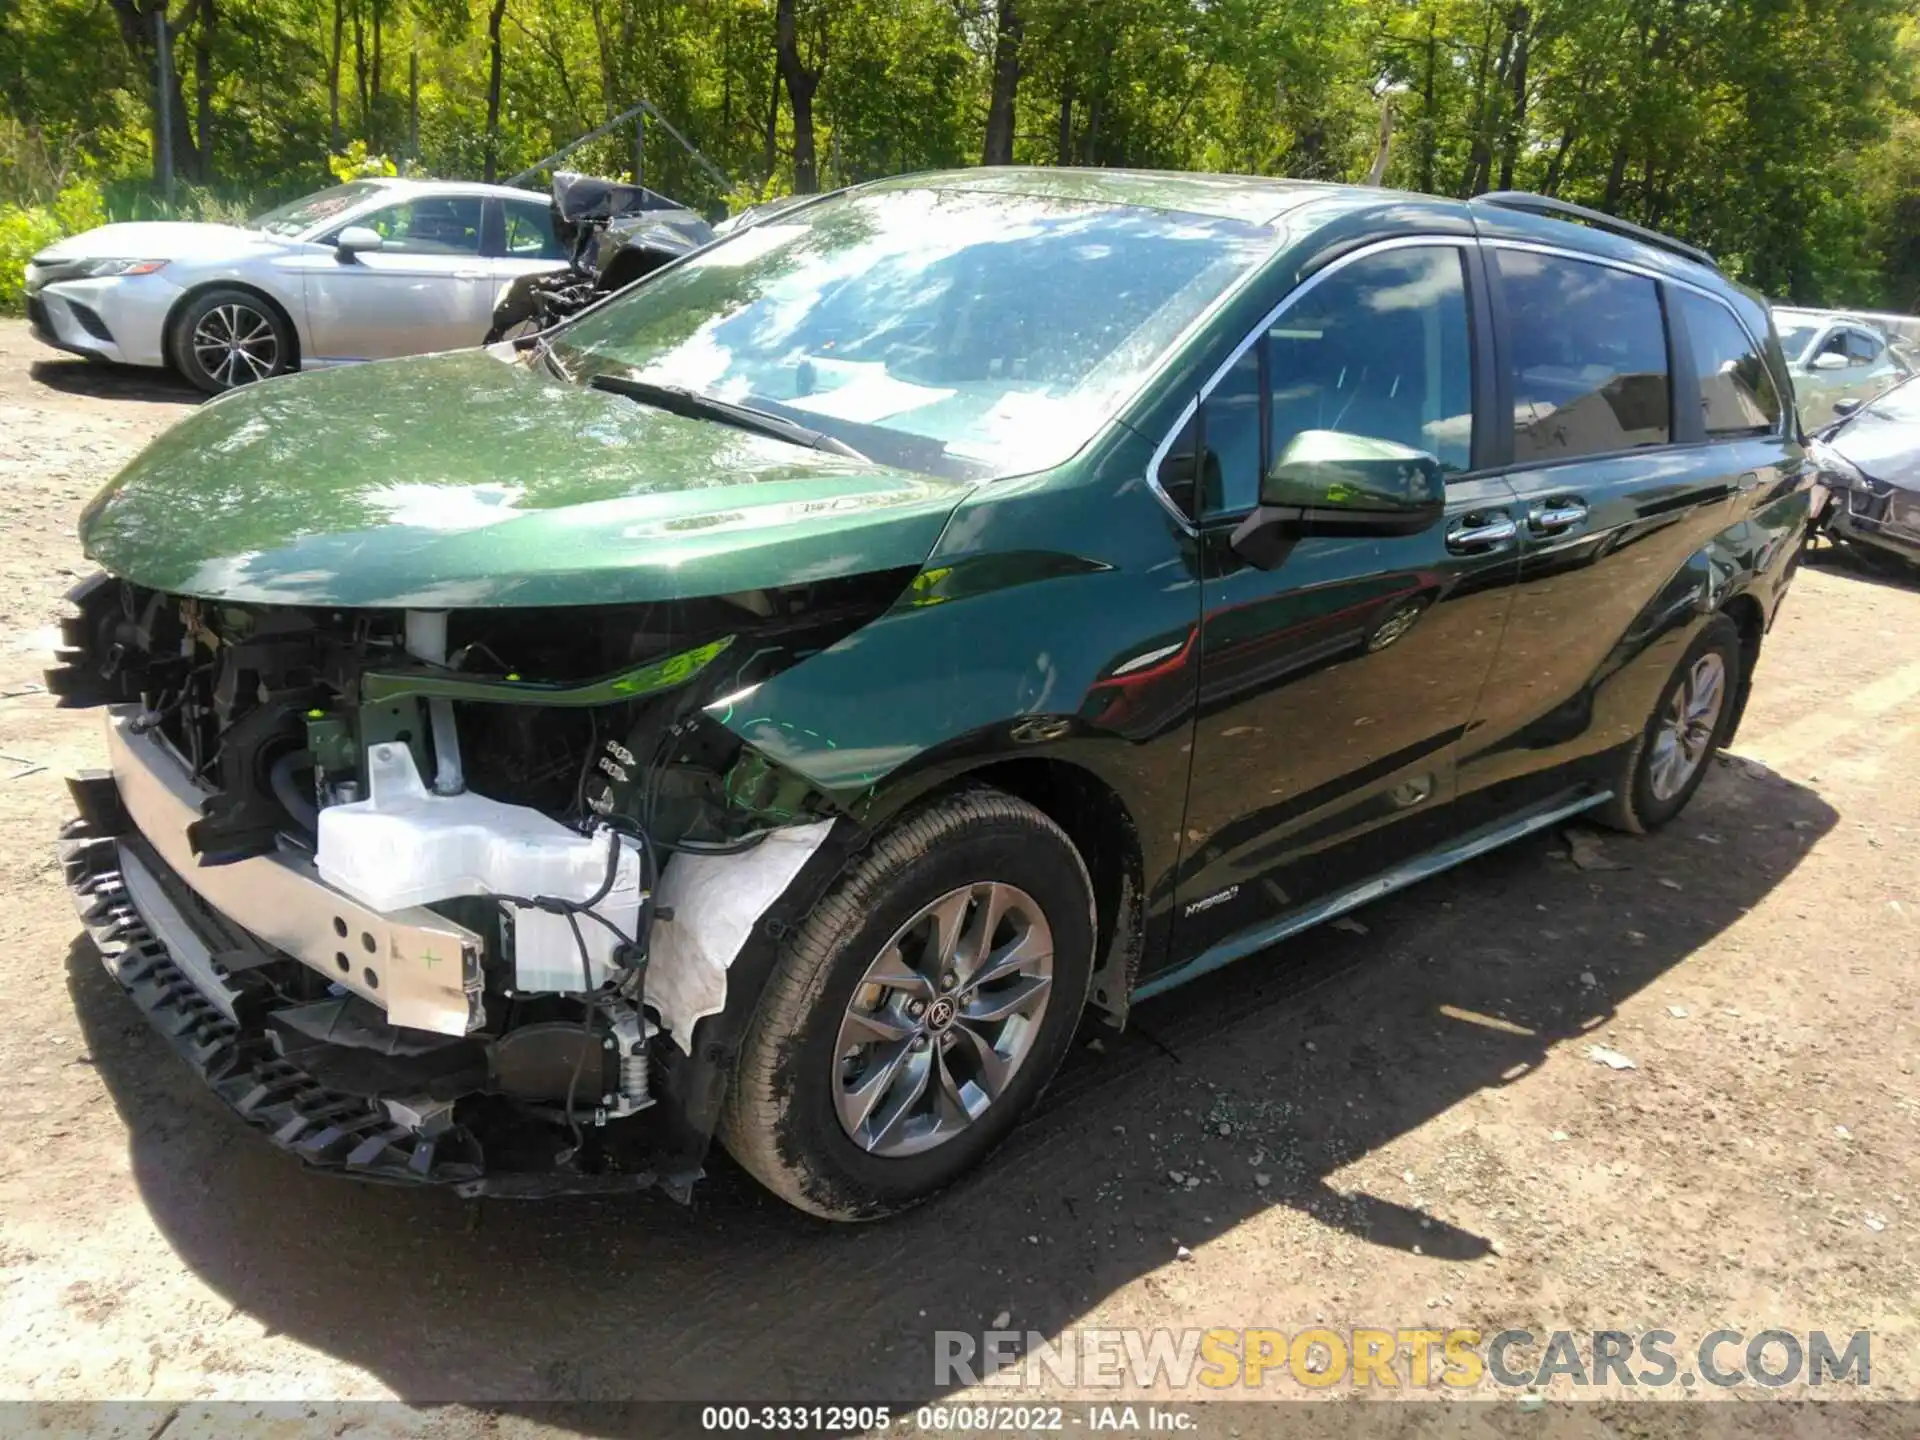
<point x="1554" y="209"/>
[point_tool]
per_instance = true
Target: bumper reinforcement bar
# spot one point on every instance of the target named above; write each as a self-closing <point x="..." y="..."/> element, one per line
<point x="323" y="1127"/>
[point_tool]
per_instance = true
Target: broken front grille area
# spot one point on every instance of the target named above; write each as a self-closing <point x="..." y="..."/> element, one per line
<point x="265" y="1071"/>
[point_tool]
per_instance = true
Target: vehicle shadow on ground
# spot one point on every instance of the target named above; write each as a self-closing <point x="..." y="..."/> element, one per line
<point x="1863" y="562"/>
<point x="104" y="381"/>
<point x="1311" y="1059"/>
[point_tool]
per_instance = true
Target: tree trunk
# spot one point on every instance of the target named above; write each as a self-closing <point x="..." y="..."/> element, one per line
<point x="1616" y="177"/>
<point x="494" y="17"/>
<point x="360" y="65"/>
<point x="136" y="19"/>
<point x="203" y="89"/>
<point x="771" y="159"/>
<point x="1558" y="164"/>
<point x="413" y="103"/>
<point x="1471" y="180"/>
<point x="1377" y="172"/>
<point x="1006" y="85"/>
<point x="336" y="140"/>
<point x="801" y="84"/>
<point x="1516" y="127"/>
<point x="376" y="130"/>
<point x="1063" y="145"/>
<point x="1429" y="129"/>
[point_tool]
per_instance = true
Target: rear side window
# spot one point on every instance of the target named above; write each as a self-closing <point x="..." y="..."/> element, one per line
<point x="1862" y="349"/>
<point x="1736" y="393"/>
<point x="530" y="233"/>
<point x="1587" y="351"/>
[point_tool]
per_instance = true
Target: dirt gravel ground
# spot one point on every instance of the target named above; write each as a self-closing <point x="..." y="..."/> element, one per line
<point x="1395" y="1125"/>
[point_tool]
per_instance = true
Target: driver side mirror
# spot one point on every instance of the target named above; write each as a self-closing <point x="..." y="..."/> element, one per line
<point x="1330" y="483"/>
<point x="356" y="240"/>
<point x="1845" y="407"/>
<point x="1829" y="361"/>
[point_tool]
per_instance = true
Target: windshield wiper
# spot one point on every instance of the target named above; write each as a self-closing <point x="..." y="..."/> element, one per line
<point x="695" y="406"/>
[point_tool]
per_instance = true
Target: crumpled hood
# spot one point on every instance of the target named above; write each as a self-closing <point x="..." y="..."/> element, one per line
<point x="463" y="480"/>
<point x="160" y="240"/>
<point x="1887" y="450"/>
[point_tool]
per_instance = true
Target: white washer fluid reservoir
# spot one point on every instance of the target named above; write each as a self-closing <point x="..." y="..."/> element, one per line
<point x="404" y="845"/>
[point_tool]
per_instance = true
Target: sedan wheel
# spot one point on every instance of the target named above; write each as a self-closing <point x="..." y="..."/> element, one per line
<point x="227" y="338"/>
<point x="943" y="1019"/>
<point x="235" y="344"/>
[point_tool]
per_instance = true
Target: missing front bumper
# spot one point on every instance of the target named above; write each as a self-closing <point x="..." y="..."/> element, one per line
<point x="380" y="1139"/>
<point x="422" y="969"/>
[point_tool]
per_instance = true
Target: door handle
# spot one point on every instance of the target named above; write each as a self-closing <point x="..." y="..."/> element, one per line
<point x="1554" y="518"/>
<point x="1479" y="533"/>
<point x="469" y="274"/>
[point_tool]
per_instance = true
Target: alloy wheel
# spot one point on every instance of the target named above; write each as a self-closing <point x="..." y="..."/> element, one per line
<point x="1686" y="729"/>
<point x="236" y="345"/>
<point x="943" y="1019"/>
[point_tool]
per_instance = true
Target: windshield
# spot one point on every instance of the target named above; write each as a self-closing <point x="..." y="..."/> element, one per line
<point x="1795" y="338"/>
<point x="963" y="334"/>
<point x="299" y="216"/>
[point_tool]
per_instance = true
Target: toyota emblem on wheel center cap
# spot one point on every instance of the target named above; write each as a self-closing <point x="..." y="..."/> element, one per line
<point x="940" y="1014"/>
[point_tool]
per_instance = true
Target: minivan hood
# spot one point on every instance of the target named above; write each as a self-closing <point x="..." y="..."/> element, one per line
<point x="159" y="240"/>
<point x="465" y="480"/>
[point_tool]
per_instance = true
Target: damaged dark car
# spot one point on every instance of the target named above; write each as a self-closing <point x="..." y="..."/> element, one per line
<point x="1869" y="475"/>
<point x="782" y="705"/>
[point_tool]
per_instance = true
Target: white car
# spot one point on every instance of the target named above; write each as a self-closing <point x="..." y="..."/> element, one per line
<point x="362" y="271"/>
<point x="1838" y="362"/>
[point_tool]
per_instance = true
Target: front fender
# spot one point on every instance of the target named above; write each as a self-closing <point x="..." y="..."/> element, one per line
<point x="1055" y="618"/>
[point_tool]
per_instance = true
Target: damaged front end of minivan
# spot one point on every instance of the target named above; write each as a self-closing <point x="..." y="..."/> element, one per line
<point x="454" y="892"/>
<point x="393" y="880"/>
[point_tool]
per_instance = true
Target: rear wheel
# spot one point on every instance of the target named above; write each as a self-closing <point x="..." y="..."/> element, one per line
<point x="918" y="1012"/>
<point x="1690" y="722"/>
<point x="227" y="337"/>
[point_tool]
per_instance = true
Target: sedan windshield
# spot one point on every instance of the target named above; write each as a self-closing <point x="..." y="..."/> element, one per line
<point x="962" y="334"/>
<point x="297" y="217"/>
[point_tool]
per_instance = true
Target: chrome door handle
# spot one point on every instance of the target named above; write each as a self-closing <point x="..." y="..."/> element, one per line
<point x="1480" y="533"/>
<point x="1552" y="519"/>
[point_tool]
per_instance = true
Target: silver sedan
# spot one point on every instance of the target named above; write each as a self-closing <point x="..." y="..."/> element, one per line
<point x="365" y="270"/>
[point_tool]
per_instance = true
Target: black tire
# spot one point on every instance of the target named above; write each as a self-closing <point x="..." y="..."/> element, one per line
<point x="783" y="1119"/>
<point x="1638" y="805"/>
<point x="220" y="317"/>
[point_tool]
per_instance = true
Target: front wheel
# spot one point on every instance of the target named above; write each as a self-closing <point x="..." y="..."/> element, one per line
<point x="227" y="337"/>
<point x="918" y="1012"/>
<point x="1689" y="723"/>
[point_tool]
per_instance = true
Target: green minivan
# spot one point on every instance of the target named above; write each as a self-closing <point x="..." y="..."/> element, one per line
<point x="780" y="704"/>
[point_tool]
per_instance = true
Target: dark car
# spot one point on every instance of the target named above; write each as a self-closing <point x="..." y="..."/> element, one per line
<point x="1869" y="473"/>
<point x="780" y="705"/>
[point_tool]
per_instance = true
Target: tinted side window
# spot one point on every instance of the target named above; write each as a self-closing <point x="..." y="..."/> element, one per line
<point x="1862" y="349"/>
<point x="1588" y="353"/>
<point x="1736" y="392"/>
<point x="530" y="233"/>
<point x="431" y="225"/>
<point x="1213" y="465"/>
<point x="1379" y="348"/>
